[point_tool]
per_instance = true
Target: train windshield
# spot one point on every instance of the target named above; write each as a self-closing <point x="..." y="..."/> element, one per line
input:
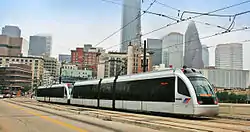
<point x="202" y="87"/>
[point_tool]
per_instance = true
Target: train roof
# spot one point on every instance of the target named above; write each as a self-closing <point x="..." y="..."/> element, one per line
<point x="52" y="86"/>
<point x="146" y="75"/>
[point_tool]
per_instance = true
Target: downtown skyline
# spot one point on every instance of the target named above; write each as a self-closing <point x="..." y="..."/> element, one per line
<point x="74" y="29"/>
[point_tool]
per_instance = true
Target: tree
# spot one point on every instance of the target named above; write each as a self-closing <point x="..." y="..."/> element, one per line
<point x="26" y="88"/>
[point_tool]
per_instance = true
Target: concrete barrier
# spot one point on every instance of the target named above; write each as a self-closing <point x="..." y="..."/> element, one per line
<point x="242" y="110"/>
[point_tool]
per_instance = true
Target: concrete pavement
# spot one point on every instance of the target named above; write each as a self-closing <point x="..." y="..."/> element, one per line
<point x="15" y="118"/>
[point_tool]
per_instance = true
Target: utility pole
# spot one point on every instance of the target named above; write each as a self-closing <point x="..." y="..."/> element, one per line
<point x="114" y="88"/>
<point x="144" y="56"/>
<point x="60" y="76"/>
<point x="98" y="95"/>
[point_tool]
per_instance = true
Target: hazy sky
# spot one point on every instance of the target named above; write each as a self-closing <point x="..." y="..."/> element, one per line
<point x="74" y="23"/>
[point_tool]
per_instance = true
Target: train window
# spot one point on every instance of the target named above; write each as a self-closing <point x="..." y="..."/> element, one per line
<point x="51" y="92"/>
<point x="147" y="90"/>
<point x="106" y="91"/>
<point x="182" y="88"/>
<point x="85" y="91"/>
<point x="65" y="91"/>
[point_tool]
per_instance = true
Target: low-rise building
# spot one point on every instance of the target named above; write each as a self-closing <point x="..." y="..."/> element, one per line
<point x="50" y="65"/>
<point x="36" y="63"/>
<point x="111" y="63"/>
<point x="73" y="75"/>
<point x="47" y="78"/>
<point x="227" y="78"/>
<point x="15" y="77"/>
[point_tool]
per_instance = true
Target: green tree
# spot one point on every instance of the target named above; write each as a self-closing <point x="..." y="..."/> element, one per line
<point x="26" y="88"/>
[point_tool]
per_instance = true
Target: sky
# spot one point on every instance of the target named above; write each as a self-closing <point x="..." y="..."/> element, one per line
<point x="73" y="23"/>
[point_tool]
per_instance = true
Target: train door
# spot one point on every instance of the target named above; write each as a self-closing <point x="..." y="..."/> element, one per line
<point x="183" y="103"/>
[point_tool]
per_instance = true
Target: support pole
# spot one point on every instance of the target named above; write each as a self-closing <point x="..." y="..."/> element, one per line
<point x="144" y="56"/>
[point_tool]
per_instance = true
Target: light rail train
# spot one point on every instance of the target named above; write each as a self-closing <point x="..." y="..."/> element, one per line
<point x="59" y="93"/>
<point x="176" y="91"/>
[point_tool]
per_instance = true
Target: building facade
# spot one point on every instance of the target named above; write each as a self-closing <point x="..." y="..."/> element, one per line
<point x="47" y="78"/>
<point x="70" y="66"/>
<point x="73" y="75"/>
<point x="172" y="49"/>
<point x="112" y="63"/>
<point x="40" y="45"/>
<point x="227" y="78"/>
<point x="36" y="63"/>
<point x="11" y="31"/>
<point x="229" y="56"/>
<point x="193" y="48"/>
<point x="50" y="65"/>
<point x="149" y="66"/>
<point x="63" y="57"/>
<point x="85" y="60"/>
<point x="131" y="24"/>
<point x="16" y="76"/>
<point x="155" y="46"/>
<point x="10" y="46"/>
<point x="205" y="55"/>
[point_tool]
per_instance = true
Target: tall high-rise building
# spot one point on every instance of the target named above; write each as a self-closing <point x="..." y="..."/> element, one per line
<point x="155" y="45"/>
<point x="205" y="55"/>
<point x="25" y="47"/>
<point x="48" y="45"/>
<point x="131" y="24"/>
<point x="229" y="56"/>
<point x="172" y="49"/>
<point x="11" y="31"/>
<point x="40" y="45"/>
<point x="193" y="48"/>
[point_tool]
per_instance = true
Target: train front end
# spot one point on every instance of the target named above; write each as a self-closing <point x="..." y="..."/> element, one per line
<point x="206" y="103"/>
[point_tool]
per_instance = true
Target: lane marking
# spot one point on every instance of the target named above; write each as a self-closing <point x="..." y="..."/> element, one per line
<point x="49" y="119"/>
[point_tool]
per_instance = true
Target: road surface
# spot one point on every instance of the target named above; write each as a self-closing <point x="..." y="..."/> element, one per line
<point x="14" y="118"/>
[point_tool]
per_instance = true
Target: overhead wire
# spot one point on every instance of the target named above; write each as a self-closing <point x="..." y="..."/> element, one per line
<point x="182" y="20"/>
<point x="209" y="36"/>
<point x="151" y="4"/>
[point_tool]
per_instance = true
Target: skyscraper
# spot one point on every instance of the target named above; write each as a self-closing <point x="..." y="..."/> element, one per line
<point x="155" y="45"/>
<point x="131" y="23"/>
<point x="205" y="55"/>
<point x="229" y="56"/>
<point x="11" y="31"/>
<point x="40" y="45"/>
<point x="172" y="49"/>
<point x="193" y="48"/>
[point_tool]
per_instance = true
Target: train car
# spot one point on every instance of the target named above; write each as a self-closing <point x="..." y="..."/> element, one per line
<point x="176" y="91"/>
<point x="58" y="93"/>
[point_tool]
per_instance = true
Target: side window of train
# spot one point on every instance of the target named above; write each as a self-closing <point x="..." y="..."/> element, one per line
<point x="182" y="88"/>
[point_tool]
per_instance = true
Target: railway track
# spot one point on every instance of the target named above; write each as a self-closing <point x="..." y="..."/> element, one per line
<point x="156" y="122"/>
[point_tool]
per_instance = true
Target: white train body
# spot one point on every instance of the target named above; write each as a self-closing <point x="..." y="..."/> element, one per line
<point x="58" y="93"/>
<point x="171" y="91"/>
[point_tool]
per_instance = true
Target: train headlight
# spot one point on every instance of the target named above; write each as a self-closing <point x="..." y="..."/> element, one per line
<point x="200" y="102"/>
<point x="216" y="101"/>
